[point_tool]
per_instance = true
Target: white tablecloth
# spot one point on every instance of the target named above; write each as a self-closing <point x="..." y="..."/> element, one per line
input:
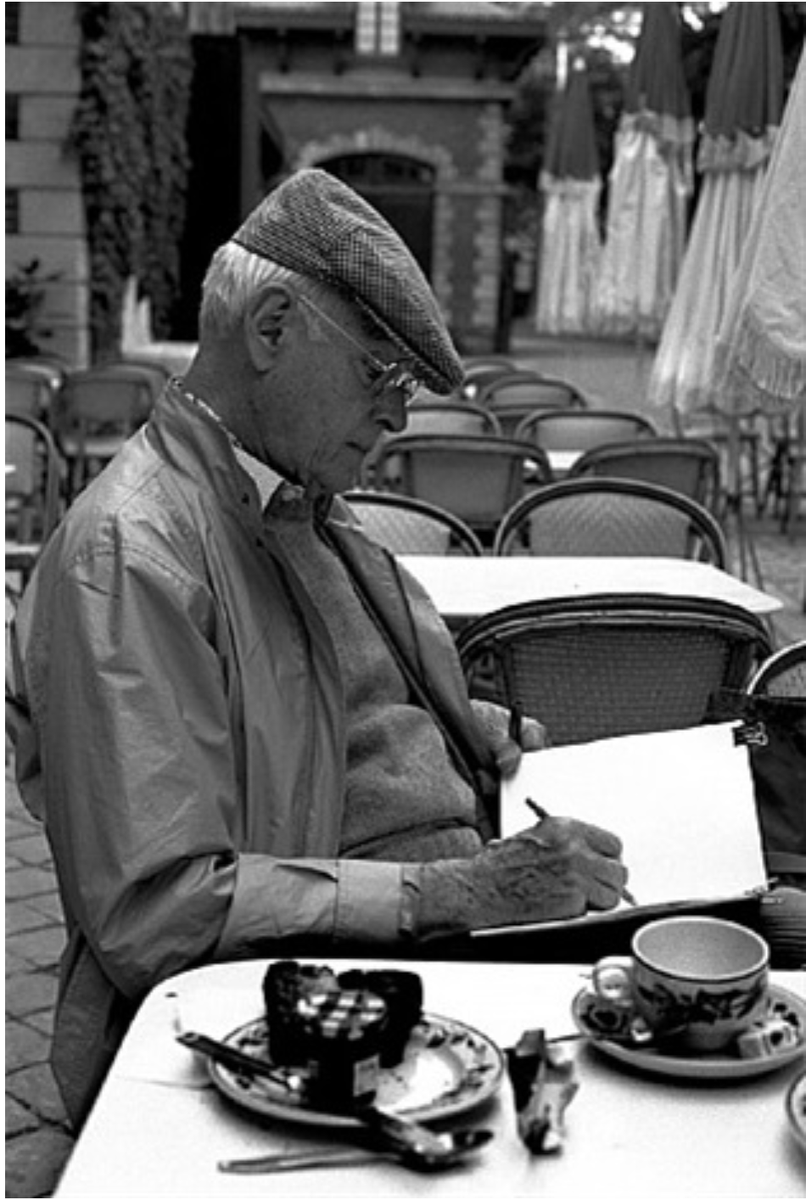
<point x="159" y="1128"/>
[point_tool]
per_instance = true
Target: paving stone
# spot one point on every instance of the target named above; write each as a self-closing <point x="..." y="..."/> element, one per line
<point x="49" y="905"/>
<point x="27" y="882"/>
<point x="35" y="1161"/>
<point x="30" y="991"/>
<point x="21" y="916"/>
<point x="24" y="1046"/>
<point x="33" y="849"/>
<point x="35" y="1088"/>
<point x="40" y="947"/>
<point x="19" y="1119"/>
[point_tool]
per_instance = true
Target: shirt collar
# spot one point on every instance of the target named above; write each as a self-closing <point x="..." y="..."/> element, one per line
<point x="267" y="481"/>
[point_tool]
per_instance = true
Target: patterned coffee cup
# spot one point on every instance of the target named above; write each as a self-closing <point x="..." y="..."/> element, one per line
<point x="699" y="980"/>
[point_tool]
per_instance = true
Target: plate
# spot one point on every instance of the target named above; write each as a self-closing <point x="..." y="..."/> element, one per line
<point x="448" y="1068"/>
<point x="796" y="1108"/>
<point x="657" y="1061"/>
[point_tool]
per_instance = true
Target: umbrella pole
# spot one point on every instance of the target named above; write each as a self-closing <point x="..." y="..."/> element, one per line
<point x="734" y="515"/>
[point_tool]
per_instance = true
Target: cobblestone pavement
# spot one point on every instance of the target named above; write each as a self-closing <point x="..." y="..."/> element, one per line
<point x="38" y="1140"/>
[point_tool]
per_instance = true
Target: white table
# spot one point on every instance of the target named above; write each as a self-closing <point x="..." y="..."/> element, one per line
<point x="159" y="1127"/>
<point x="561" y="461"/>
<point x="466" y="587"/>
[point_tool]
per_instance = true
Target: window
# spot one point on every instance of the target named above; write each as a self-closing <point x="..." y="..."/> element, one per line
<point x="13" y="24"/>
<point x="12" y="211"/>
<point x="377" y="30"/>
<point x="12" y="117"/>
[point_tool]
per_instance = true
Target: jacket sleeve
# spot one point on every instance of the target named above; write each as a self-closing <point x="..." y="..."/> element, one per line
<point x="142" y="809"/>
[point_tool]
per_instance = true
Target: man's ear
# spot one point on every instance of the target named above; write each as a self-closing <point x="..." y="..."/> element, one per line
<point x="267" y="324"/>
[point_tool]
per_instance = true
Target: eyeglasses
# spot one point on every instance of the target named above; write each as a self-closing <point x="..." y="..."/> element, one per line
<point x="387" y="376"/>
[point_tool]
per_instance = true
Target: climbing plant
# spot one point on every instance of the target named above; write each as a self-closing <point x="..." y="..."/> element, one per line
<point x="129" y="132"/>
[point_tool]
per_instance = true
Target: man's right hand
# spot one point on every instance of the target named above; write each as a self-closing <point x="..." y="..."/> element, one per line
<point x="559" y="868"/>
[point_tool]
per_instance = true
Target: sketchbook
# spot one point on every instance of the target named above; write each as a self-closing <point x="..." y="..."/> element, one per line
<point x="682" y="802"/>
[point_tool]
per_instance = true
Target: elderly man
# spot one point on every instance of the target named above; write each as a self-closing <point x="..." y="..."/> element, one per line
<point x="248" y="726"/>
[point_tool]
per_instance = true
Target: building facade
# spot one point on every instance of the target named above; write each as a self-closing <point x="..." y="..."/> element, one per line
<point x="406" y="102"/>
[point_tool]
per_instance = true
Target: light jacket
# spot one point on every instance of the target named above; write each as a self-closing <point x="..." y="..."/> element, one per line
<point x="186" y="746"/>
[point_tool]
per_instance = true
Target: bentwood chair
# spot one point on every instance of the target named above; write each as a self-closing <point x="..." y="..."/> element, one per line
<point x="29" y="390"/>
<point x="582" y="429"/>
<point x="481" y="371"/>
<point x="514" y="397"/>
<point x="96" y="411"/>
<point x="451" y="416"/>
<point x="610" y="517"/>
<point x="408" y="526"/>
<point x="605" y="666"/>
<point x="427" y="417"/>
<point x="32" y="491"/>
<point x="474" y="477"/>
<point x="687" y="465"/>
<point x="782" y="674"/>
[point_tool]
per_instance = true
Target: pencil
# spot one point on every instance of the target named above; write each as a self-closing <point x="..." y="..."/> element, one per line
<point x="541" y="815"/>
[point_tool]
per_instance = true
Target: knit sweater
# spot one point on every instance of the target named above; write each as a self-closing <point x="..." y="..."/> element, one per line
<point x="405" y="801"/>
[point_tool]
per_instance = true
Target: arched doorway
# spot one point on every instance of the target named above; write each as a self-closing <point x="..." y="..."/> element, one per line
<point x="402" y="190"/>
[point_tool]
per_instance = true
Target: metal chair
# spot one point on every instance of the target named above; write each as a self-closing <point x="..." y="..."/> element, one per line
<point x="475" y="478"/>
<point x="583" y="428"/>
<point x="481" y="371"/>
<point x="448" y="416"/>
<point x="686" y="465"/>
<point x="604" y="666"/>
<point x="514" y="397"/>
<point x="28" y="390"/>
<point x="408" y="526"/>
<point x="95" y="412"/>
<point x="610" y="517"/>
<point x="738" y="437"/>
<point x="782" y="674"/>
<point x="32" y="491"/>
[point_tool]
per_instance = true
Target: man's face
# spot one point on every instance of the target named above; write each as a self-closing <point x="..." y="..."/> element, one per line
<point x="335" y="400"/>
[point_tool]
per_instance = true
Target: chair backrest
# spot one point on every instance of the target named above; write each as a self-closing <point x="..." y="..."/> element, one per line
<point x="480" y="372"/>
<point x="28" y="390"/>
<point x="475" y="478"/>
<point x="514" y="397"/>
<point x="583" y="428"/>
<point x="610" y="517"/>
<point x="32" y="482"/>
<point x="101" y="400"/>
<point x="782" y="674"/>
<point x="408" y="526"/>
<point x="686" y="465"/>
<point x="447" y="416"/>
<point x="604" y="666"/>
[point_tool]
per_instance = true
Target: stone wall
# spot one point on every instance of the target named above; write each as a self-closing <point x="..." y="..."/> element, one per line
<point x="42" y="72"/>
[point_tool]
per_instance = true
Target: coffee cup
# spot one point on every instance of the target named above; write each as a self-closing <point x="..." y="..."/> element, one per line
<point x="701" y="981"/>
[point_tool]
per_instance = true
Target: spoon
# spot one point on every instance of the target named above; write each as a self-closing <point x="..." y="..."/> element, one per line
<point x="456" y="1148"/>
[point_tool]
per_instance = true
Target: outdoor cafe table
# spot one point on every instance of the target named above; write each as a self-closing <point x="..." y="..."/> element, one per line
<point x="465" y="587"/>
<point x="160" y="1127"/>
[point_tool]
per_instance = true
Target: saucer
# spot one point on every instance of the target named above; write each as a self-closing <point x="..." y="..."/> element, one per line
<point x="796" y="1108"/>
<point x="721" y="1065"/>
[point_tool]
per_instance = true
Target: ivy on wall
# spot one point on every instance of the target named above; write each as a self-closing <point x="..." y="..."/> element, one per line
<point x="129" y="131"/>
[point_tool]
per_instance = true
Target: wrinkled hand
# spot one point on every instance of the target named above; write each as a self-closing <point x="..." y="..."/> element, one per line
<point x="494" y="722"/>
<point x="559" y="868"/>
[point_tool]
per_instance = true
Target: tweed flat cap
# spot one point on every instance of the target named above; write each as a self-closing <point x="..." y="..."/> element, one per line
<point x="315" y="224"/>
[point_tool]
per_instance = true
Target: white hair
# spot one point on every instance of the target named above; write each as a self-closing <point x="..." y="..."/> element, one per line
<point x="233" y="277"/>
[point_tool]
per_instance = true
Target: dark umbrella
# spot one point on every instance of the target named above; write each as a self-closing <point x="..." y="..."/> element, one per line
<point x="744" y="101"/>
<point x="650" y="184"/>
<point x="571" y="183"/>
